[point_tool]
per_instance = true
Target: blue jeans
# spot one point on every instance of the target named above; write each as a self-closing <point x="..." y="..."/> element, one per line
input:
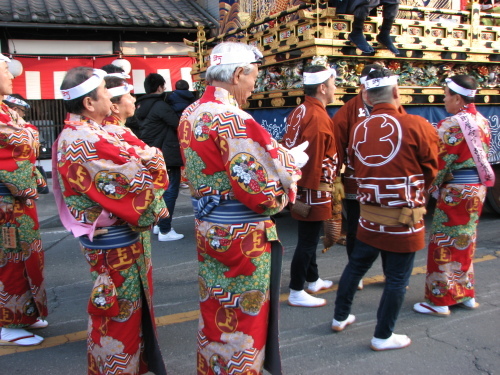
<point x="397" y="269"/>
<point x="304" y="267"/>
<point x="170" y="196"/>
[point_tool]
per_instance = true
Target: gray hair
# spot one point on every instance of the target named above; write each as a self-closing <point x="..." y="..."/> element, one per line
<point x="224" y="73"/>
<point x="381" y="95"/>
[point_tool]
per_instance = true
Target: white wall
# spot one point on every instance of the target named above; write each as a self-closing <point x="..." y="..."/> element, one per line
<point x="156" y="48"/>
<point x="78" y="47"/>
<point x="60" y="47"/>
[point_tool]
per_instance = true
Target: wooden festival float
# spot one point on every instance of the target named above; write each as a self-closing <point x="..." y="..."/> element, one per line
<point x="434" y="44"/>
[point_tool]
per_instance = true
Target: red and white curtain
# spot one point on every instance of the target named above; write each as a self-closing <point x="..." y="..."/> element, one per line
<point x="42" y="76"/>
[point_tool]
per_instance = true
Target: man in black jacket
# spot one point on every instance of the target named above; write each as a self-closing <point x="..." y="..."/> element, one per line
<point x="158" y="127"/>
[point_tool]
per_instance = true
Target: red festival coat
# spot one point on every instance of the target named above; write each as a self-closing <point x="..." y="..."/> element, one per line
<point x="395" y="159"/>
<point x="310" y="122"/>
<point x="347" y="116"/>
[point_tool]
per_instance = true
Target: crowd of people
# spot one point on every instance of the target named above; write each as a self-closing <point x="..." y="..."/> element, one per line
<point x="239" y="177"/>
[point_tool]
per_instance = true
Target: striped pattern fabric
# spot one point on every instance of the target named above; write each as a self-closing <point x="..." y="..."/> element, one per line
<point x="465" y="176"/>
<point x="213" y="209"/>
<point x="4" y="191"/>
<point x="42" y="76"/>
<point x="117" y="236"/>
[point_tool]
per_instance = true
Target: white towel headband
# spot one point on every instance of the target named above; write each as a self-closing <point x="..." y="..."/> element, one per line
<point x="459" y="89"/>
<point x="120" y="90"/>
<point x="248" y="56"/>
<point x="119" y="75"/>
<point x="318" y="77"/>
<point x="16" y="101"/>
<point x="85" y="87"/>
<point x="381" y="82"/>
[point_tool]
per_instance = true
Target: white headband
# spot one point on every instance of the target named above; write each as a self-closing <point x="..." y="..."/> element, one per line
<point x="373" y="83"/>
<point x="119" y="75"/>
<point x="4" y="58"/>
<point x="459" y="89"/>
<point x="362" y="80"/>
<point x="120" y="90"/>
<point x="248" y="56"/>
<point x="16" y="101"/>
<point x="85" y="87"/>
<point x="318" y="77"/>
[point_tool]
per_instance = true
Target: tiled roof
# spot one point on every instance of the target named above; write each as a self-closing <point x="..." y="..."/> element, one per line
<point x="138" y="13"/>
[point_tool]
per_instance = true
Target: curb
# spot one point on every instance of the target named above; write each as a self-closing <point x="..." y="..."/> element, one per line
<point x="51" y="222"/>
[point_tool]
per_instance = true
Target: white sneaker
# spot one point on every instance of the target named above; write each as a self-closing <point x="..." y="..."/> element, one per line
<point x="393" y="342"/>
<point x="156" y="229"/>
<point x="340" y="326"/>
<point x="318" y="285"/>
<point x="18" y="336"/>
<point x="300" y="298"/>
<point x="170" y="236"/>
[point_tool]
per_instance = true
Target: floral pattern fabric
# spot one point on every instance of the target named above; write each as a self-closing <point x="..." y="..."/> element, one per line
<point x="450" y="274"/>
<point x="227" y="153"/>
<point x="99" y="166"/>
<point x="22" y="286"/>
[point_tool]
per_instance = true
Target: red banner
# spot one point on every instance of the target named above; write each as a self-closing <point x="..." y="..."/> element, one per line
<point x="42" y="76"/>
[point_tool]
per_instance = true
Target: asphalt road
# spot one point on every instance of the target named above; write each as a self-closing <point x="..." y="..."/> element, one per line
<point x="467" y="342"/>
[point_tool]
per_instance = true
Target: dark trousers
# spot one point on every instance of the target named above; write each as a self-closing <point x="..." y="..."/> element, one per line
<point x="397" y="269"/>
<point x="352" y="218"/>
<point x="390" y="8"/>
<point x="170" y="196"/>
<point x="304" y="267"/>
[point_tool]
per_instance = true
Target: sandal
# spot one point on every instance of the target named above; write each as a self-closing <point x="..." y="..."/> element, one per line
<point x="40" y="323"/>
<point x="470" y="304"/>
<point x="425" y="308"/>
<point x="18" y="336"/>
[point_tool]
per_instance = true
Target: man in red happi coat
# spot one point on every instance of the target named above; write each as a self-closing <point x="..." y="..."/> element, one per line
<point x="310" y="122"/>
<point x="394" y="156"/>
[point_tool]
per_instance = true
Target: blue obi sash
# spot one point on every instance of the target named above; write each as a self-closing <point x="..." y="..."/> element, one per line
<point x="117" y="236"/>
<point x="4" y="190"/>
<point x="216" y="210"/>
<point x="465" y="176"/>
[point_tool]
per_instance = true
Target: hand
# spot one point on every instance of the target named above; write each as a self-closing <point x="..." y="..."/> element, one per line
<point x="299" y="156"/>
<point x="338" y="192"/>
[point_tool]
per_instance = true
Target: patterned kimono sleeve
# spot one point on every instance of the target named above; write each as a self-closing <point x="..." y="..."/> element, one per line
<point x="18" y="145"/>
<point x="428" y="151"/>
<point x="261" y="172"/>
<point x="484" y="125"/>
<point x="110" y="177"/>
<point x="451" y="142"/>
<point x="151" y="157"/>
